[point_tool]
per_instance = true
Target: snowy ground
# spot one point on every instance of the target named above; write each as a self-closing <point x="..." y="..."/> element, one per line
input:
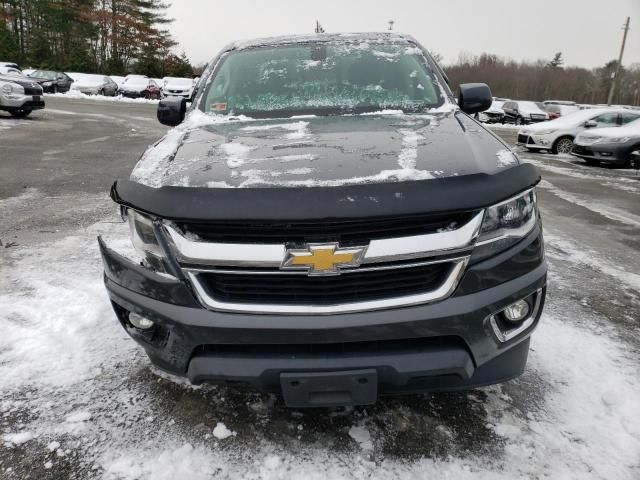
<point x="78" y="399"/>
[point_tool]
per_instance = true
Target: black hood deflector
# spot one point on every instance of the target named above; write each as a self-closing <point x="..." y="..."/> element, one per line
<point x="397" y="199"/>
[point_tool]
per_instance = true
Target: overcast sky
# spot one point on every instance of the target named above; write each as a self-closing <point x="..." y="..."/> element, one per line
<point x="587" y="32"/>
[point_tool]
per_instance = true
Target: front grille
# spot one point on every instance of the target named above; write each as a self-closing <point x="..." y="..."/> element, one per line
<point x="294" y="289"/>
<point x="32" y="90"/>
<point x="348" y="232"/>
<point x="580" y="150"/>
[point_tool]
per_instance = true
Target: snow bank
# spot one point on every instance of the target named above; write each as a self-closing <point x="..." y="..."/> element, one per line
<point x="99" y="98"/>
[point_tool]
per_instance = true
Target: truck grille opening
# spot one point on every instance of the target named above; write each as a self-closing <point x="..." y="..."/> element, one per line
<point x="294" y="289"/>
<point x="404" y="345"/>
<point x="347" y="232"/>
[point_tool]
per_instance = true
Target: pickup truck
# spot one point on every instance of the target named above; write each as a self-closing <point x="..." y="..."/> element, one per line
<point x="326" y="222"/>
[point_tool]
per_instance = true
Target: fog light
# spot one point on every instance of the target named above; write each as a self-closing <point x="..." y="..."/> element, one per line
<point x="139" y="321"/>
<point x="516" y="312"/>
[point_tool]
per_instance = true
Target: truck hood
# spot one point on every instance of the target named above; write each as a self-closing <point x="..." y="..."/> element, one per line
<point x="209" y="151"/>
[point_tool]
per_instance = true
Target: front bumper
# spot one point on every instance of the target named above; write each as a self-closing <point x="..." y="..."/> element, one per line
<point x="21" y="102"/>
<point x="615" y="153"/>
<point x="533" y="141"/>
<point x="129" y="94"/>
<point x="445" y="345"/>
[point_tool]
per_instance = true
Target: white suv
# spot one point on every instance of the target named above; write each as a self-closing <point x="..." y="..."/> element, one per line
<point x="557" y="135"/>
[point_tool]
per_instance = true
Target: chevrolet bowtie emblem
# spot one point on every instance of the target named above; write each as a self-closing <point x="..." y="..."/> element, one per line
<point x="322" y="258"/>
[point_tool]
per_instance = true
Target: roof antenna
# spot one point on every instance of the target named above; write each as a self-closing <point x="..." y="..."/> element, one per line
<point x="319" y="28"/>
<point x="391" y="22"/>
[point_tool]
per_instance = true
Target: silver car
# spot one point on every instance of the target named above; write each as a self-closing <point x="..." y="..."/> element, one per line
<point x="95" y="85"/>
<point x="20" y="95"/>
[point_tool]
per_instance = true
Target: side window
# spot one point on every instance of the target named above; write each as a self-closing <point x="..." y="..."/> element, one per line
<point x="606" y="120"/>
<point x="628" y="117"/>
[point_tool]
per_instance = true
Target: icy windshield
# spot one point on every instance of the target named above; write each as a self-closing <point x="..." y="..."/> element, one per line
<point x="323" y="78"/>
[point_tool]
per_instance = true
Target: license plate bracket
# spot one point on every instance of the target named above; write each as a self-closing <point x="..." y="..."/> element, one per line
<point x="330" y="389"/>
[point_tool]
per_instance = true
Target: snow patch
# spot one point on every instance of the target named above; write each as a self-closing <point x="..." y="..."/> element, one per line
<point x="221" y="431"/>
<point x="506" y="158"/>
<point x="362" y="436"/>
<point x="18" y="438"/>
<point x="409" y="152"/>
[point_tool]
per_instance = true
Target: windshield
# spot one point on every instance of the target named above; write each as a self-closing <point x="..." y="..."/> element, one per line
<point x="44" y="74"/>
<point x="323" y="78"/>
<point x="137" y="82"/>
<point x="178" y="81"/>
<point x="528" y="106"/>
<point x="91" y="80"/>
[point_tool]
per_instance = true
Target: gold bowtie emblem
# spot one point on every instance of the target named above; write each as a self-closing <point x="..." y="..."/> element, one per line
<point x="323" y="258"/>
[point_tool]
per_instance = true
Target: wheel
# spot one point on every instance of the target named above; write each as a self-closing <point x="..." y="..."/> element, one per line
<point x="562" y="145"/>
<point x="519" y="121"/>
<point x="101" y="92"/>
<point x="20" y="113"/>
<point x="54" y="89"/>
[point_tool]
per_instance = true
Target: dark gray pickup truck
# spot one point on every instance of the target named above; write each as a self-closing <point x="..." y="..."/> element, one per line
<point x="327" y="223"/>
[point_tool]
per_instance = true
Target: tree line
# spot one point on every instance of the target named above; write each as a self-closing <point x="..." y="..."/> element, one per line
<point x="112" y="37"/>
<point x="544" y="80"/>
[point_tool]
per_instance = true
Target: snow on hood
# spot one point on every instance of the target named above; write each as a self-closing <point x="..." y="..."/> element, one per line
<point x="218" y="151"/>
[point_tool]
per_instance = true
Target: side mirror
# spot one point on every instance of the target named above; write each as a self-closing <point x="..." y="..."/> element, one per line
<point x="474" y="97"/>
<point x="590" y="124"/>
<point x="171" y="111"/>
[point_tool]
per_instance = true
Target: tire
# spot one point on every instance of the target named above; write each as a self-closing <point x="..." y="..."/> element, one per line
<point x="54" y="89"/>
<point x="519" y="121"/>
<point x="20" y="113"/>
<point x="101" y="92"/>
<point x="562" y="145"/>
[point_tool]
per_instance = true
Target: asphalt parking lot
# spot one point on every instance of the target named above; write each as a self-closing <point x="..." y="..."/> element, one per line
<point x="78" y="399"/>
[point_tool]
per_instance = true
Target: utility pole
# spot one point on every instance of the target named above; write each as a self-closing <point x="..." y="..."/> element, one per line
<point x="391" y="22"/>
<point x="614" y="77"/>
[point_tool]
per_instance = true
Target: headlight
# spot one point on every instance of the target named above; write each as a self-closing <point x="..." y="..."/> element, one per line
<point x="506" y="223"/>
<point x="143" y="237"/>
<point x="613" y="140"/>
<point x="549" y="131"/>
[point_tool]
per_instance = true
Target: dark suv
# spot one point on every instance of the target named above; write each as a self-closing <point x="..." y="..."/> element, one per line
<point x="328" y="224"/>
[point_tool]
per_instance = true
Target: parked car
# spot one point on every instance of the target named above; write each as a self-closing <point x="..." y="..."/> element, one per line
<point x="52" y="81"/>
<point x="28" y="71"/>
<point x="9" y="69"/>
<point x="19" y="95"/>
<point x="523" y="112"/>
<point x="117" y="79"/>
<point x="557" y="111"/>
<point x="494" y="114"/>
<point x="557" y="135"/>
<point x="609" y="145"/>
<point x="139" y="87"/>
<point x="357" y="272"/>
<point x="96" y="85"/>
<point x="176" y="86"/>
